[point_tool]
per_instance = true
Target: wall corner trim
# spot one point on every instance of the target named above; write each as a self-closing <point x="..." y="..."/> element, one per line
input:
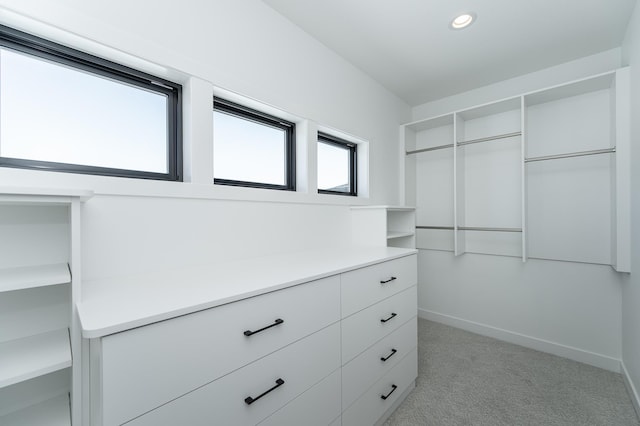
<point x="576" y="354"/>
<point x="633" y="393"/>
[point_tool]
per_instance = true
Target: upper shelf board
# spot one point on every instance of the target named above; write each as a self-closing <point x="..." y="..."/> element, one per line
<point x="580" y="87"/>
<point x="431" y="123"/>
<point x="491" y="109"/>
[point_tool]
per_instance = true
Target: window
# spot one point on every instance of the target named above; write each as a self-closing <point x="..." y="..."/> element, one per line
<point x="65" y="110"/>
<point x="251" y="148"/>
<point x="336" y="166"/>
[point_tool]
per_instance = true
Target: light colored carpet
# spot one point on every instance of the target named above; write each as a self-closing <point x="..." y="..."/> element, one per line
<point x="468" y="379"/>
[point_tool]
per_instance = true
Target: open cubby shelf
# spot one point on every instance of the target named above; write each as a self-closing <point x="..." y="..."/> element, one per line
<point x="40" y="341"/>
<point x="24" y="277"/>
<point x="34" y="356"/>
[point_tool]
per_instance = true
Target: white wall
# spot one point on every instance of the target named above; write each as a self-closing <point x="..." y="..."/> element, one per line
<point x="631" y="289"/>
<point x="241" y="47"/>
<point x="570" y="309"/>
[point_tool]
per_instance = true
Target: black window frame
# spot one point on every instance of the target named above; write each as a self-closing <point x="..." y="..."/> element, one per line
<point x="40" y="48"/>
<point x="353" y="163"/>
<point x="240" y="111"/>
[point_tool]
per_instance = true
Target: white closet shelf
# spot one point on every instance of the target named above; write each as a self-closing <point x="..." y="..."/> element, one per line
<point x="34" y="276"/>
<point x="579" y="87"/>
<point x="398" y="234"/>
<point x="34" y="356"/>
<point x="52" y="412"/>
<point x="431" y="123"/>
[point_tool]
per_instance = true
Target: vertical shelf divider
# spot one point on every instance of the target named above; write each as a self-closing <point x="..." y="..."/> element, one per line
<point x="76" y="297"/>
<point x="523" y="154"/>
<point x="621" y="234"/>
<point x="458" y="186"/>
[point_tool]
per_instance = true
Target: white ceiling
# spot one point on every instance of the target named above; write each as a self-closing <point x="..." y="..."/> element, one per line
<point x="407" y="45"/>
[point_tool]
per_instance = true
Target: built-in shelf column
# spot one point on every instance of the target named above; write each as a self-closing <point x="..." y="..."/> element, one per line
<point x="40" y="345"/>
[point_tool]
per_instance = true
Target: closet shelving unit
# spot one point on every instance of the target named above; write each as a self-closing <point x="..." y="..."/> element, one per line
<point x="40" y="342"/>
<point x="430" y="144"/>
<point x="542" y="175"/>
<point x="391" y="226"/>
<point x="487" y="179"/>
<point x="577" y="171"/>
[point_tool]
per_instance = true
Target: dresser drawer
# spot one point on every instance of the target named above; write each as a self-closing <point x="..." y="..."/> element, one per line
<point x="222" y="402"/>
<point x="143" y="368"/>
<point x="371" y="406"/>
<point x="365" y="369"/>
<point x="366" y="286"/>
<point x="361" y="330"/>
<point x="318" y="406"/>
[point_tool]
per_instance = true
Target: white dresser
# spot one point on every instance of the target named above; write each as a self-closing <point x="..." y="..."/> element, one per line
<point x="322" y="338"/>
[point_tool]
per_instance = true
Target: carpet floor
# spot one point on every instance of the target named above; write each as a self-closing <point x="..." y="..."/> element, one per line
<point x="468" y="379"/>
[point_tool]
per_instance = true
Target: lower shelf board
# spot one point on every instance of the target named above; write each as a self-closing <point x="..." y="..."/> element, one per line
<point x="33" y="356"/>
<point x="52" y="412"/>
<point x="398" y="234"/>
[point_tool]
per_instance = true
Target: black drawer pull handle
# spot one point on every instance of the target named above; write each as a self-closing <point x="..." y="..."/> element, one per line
<point x="388" y="280"/>
<point x="276" y="322"/>
<point x="394" y="387"/>
<point x="393" y="314"/>
<point x="385" y="358"/>
<point x="249" y="400"/>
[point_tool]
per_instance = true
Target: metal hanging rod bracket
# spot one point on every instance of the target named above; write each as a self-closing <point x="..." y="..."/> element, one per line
<point x="571" y="154"/>
<point x="450" y="145"/>
<point x="490" y="138"/>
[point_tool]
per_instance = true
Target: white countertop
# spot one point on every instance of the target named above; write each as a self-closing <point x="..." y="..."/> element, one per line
<point x="118" y="304"/>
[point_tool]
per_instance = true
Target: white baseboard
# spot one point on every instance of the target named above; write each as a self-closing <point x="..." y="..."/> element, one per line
<point x="580" y="355"/>
<point x="633" y="393"/>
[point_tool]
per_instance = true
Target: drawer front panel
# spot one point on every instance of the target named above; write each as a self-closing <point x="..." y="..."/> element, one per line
<point x="371" y="406"/>
<point x="222" y="402"/>
<point x="365" y="369"/>
<point x="318" y="406"/>
<point x="366" y="286"/>
<point x="149" y="366"/>
<point x="361" y="330"/>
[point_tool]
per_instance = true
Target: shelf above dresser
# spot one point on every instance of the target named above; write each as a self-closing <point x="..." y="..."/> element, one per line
<point x="34" y="276"/>
<point x="52" y="412"/>
<point x="34" y="356"/>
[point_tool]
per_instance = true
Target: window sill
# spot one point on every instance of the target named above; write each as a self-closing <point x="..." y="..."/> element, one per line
<point x="103" y="185"/>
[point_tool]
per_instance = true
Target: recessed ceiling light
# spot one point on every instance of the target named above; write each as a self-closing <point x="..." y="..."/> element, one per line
<point x="463" y="21"/>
